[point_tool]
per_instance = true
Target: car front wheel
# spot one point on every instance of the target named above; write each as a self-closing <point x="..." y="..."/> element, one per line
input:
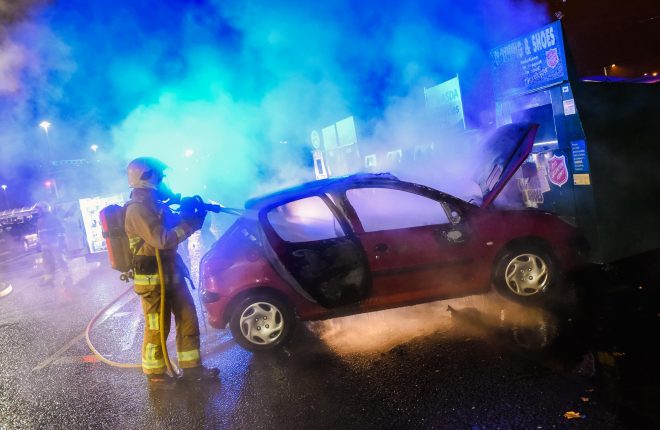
<point x="526" y="274"/>
<point x="261" y="323"/>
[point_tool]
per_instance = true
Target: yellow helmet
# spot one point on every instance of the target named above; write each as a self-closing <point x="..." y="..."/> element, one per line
<point x="145" y="172"/>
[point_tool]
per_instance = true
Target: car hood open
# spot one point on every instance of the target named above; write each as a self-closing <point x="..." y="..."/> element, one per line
<point x="503" y="152"/>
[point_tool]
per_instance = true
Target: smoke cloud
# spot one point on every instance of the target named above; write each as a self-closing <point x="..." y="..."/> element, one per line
<point x="485" y="316"/>
<point x="226" y="92"/>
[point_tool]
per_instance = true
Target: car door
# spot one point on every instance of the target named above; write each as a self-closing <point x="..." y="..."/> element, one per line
<point x="417" y="246"/>
<point x="314" y="244"/>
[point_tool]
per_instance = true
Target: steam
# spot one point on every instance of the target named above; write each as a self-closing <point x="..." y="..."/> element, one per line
<point x="228" y="92"/>
<point x="11" y="61"/>
<point x="12" y="11"/>
<point x="479" y="316"/>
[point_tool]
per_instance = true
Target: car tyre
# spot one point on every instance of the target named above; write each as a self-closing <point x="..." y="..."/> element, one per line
<point x="262" y="323"/>
<point x="527" y="274"/>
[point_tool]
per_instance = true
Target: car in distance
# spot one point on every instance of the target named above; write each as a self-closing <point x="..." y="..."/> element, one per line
<point x="367" y="242"/>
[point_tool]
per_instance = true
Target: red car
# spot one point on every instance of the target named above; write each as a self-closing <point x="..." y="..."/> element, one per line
<point x="365" y="242"/>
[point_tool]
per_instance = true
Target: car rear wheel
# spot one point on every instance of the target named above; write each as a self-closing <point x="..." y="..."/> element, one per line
<point x="262" y="323"/>
<point x="526" y="273"/>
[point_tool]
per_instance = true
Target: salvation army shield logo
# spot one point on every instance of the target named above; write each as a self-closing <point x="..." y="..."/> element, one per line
<point x="557" y="170"/>
<point x="552" y="58"/>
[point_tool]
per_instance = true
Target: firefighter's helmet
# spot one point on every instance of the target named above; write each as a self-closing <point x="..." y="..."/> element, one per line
<point x="145" y="172"/>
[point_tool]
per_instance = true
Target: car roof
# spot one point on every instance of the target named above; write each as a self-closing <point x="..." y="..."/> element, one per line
<point x="321" y="185"/>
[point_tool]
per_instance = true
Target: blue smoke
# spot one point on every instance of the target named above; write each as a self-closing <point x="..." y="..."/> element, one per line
<point x="226" y="92"/>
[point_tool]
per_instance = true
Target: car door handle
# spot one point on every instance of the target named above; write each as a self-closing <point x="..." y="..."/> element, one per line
<point x="381" y="247"/>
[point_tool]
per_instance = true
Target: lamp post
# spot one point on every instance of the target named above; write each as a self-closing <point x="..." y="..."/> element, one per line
<point x="46" y="125"/>
<point x="4" y="195"/>
<point x="51" y="185"/>
<point x="611" y="66"/>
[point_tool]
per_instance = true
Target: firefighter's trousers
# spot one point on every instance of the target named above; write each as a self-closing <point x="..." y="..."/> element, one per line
<point x="178" y="302"/>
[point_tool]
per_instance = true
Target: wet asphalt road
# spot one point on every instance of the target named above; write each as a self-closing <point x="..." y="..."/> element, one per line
<point x="483" y="364"/>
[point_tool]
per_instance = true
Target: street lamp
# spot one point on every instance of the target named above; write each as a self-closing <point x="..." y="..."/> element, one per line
<point x="4" y="194"/>
<point x="46" y="125"/>
<point x="94" y="148"/>
<point x="611" y="66"/>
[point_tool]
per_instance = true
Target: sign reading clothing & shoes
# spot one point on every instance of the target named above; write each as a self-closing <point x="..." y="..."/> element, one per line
<point x="534" y="61"/>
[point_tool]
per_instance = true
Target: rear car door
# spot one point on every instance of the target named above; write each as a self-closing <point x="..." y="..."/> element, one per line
<point x="417" y="246"/>
<point x="316" y="247"/>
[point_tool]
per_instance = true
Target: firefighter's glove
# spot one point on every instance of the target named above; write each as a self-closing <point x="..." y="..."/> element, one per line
<point x="192" y="211"/>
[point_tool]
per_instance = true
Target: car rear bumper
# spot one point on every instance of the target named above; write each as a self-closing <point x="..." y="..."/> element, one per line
<point x="215" y="309"/>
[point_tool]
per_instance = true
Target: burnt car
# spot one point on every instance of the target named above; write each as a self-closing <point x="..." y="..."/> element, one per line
<point x="367" y="242"/>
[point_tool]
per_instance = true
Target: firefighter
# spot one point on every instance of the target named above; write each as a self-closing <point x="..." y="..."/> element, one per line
<point x="151" y="225"/>
<point x="49" y="232"/>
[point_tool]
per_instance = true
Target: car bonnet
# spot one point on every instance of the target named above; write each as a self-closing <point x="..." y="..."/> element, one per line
<point x="504" y="152"/>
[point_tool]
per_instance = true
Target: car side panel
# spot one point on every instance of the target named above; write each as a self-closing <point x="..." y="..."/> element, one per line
<point x="243" y="276"/>
<point x="497" y="229"/>
<point x="419" y="263"/>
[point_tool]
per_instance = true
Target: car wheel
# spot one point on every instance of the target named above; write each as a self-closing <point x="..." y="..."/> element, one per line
<point x="526" y="274"/>
<point x="262" y="323"/>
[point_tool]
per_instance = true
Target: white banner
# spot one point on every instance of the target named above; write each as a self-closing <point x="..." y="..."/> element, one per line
<point x="445" y="101"/>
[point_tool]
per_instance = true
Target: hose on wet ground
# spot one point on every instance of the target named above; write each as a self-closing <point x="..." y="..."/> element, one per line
<point x="172" y="369"/>
<point x="93" y="321"/>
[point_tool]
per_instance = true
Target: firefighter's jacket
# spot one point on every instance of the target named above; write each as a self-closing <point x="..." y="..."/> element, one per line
<point x="151" y="225"/>
<point x="49" y="230"/>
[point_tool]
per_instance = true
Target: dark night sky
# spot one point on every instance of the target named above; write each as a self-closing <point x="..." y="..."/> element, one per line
<point x="623" y="32"/>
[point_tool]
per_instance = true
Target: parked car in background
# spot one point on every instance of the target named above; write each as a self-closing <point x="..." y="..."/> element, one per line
<point x="31" y="242"/>
<point x="366" y="242"/>
<point x="17" y="239"/>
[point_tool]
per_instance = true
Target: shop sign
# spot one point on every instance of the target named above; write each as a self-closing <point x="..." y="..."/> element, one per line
<point x="446" y="102"/>
<point x="557" y="170"/>
<point x="319" y="165"/>
<point x="527" y="63"/>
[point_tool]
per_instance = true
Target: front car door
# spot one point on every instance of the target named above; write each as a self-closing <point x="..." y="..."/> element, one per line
<point x="323" y="259"/>
<point x="417" y="245"/>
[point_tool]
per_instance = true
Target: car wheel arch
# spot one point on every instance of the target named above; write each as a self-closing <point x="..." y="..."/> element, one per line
<point x="534" y="241"/>
<point x="254" y="291"/>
